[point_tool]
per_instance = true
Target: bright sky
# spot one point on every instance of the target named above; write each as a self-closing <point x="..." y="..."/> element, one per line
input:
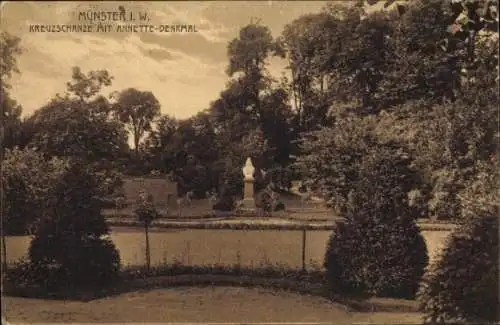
<point x="185" y="71"/>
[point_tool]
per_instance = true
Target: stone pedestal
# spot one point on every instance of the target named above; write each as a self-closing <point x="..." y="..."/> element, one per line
<point x="248" y="198"/>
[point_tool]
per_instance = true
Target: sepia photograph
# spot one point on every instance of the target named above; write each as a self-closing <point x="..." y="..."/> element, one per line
<point x="250" y="162"/>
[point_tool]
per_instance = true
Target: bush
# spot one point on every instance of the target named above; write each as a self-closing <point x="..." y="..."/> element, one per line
<point x="145" y="210"/>
<point x="68" y="248"/>
<point x="264" y="201"/>
<point x="225" y="203"/>
<point x="379" y="249"/>
<point x="76" y="263"/>
<point x="463" y="285"/>
<point x="23" y="274"/>
<point x="280" y="206"/>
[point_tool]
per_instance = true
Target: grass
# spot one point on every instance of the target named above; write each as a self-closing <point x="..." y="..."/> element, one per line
<point x="164" y="294"/>
<point x="272" y="277"/>
<point x="250" y="248"/>
<point x="198" y="304"/>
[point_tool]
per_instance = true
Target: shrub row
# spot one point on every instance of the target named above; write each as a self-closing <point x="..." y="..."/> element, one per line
<point x="117" y="222"/>
<point x="24" y="278"/>
<point x="263" y="271"/>
<point x="266" y="276"/>
<point x="223" y="226"/>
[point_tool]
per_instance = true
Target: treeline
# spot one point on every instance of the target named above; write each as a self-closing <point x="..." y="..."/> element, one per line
<point x="416" y="76"/>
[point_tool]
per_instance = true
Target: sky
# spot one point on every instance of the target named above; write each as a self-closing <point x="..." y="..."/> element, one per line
<point x="185" y="71"/>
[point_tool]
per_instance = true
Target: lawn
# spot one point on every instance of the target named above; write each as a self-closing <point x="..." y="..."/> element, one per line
<point x="227" y="247"/>
<point x="197" y="304"/>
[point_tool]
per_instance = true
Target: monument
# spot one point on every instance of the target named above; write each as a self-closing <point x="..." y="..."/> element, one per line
<point x="248" y="190"/>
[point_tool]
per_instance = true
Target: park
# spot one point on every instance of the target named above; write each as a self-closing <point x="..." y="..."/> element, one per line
<point x="354" y="181"/>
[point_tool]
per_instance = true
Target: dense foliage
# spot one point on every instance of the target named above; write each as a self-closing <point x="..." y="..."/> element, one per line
<point x="26" y="181"/>
<point x="224" y="203"/>
<point x="378" y="250"/>
<point x="463" y="285"/>
<point x="68" y="246"/>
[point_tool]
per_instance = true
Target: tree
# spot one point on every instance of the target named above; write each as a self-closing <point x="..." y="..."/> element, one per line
<point x="254" y="145"/>
<point x="450" y="140"/>
<point x="80" y="124"/>
<point x="188" y="149"/>
<point x="10" y="112"/>
<point x="251" y="102"/>
<point x="69" y="249"/>
<point x="10" y="49"/>
<point x="252" y="115"/>
<point x="159" y="144"/>
<point x="26" y="179"/>
<point x="467" y="292"/>
<point x="462" y="287"/>
<point x="305" y="41"/>
<point x="379" y="249"/>
<point x="330" y="157"/>
<point x="137" y="110"/>
<point x="87" y="86"/>
<point x="277" y="127"/>
<point x="64" y="127"/>
<point x="10" y="120"/>
<point x="146" y="213"/>
<point x="450" y="31"/>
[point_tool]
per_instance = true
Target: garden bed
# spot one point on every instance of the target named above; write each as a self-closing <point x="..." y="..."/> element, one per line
<point x="255" y="223"/>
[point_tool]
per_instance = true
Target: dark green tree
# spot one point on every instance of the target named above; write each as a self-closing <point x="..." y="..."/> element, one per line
<point x="137" y="110"/>
<point x="462" y="286"/>
<point x="69" y="250"/>
<point x="378" y="250"/>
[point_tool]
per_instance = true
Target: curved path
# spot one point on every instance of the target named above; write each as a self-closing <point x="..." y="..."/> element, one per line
<point x="195" y="304"/>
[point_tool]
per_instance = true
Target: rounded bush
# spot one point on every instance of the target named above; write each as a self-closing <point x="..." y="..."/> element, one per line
<point x="379" y="260"/>
<point x="280" y="206"/>
<point x="462" y="287"/>
<point x="73" y="262"/>
<point x="378" y="250"/>
<point x="225" y="203"/>
<point x="68" y="247"/>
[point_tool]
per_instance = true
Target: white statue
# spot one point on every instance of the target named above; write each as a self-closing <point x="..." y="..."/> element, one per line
<point x="248" y="170"/>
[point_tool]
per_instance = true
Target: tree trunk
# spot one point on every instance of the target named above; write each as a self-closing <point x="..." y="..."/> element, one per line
<point x="136" y="146"/>
<point x="148" y="256"/>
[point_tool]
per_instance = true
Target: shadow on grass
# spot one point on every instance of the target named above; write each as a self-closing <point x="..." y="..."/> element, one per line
<point x="177" y="275"/>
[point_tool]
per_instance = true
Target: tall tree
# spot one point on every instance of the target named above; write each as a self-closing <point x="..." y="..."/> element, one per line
<point x="10" y="49"/>
<point x="248" y="55"/>
<point x="158" y="144"/>
<point x="306" y="42"/>
<point x="10" y="112"/>
<point x="80" y="123"/>
<point x="86" y="86"/>
<point x="137" y="110"/>
<point x="252" y="101"/>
